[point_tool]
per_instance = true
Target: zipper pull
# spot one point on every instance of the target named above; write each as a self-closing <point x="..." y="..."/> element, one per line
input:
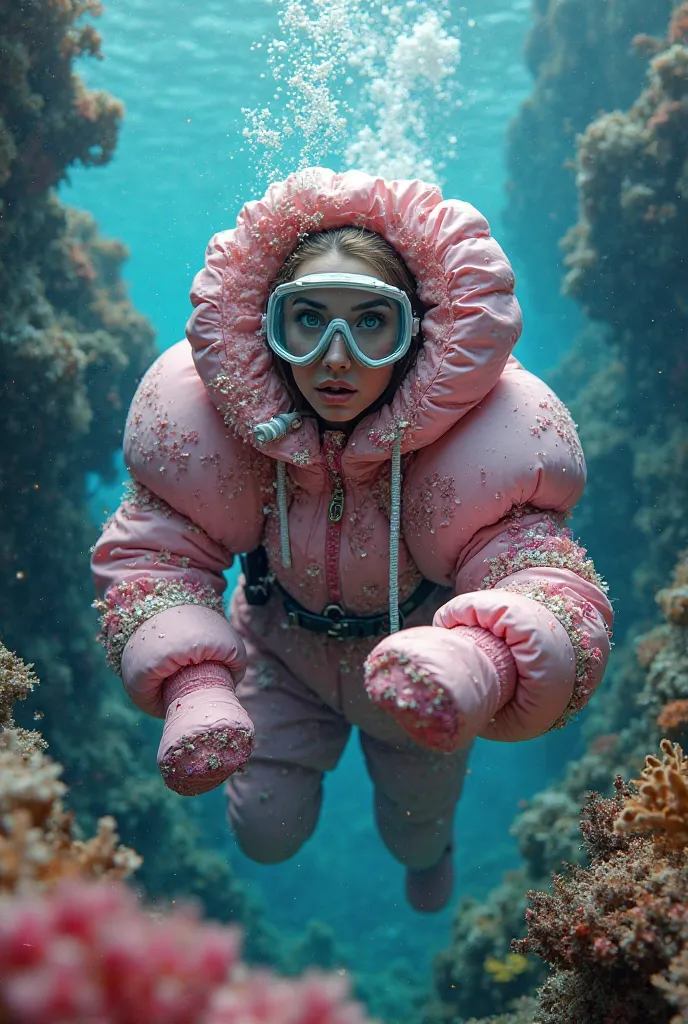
<point x="336" y="509"/>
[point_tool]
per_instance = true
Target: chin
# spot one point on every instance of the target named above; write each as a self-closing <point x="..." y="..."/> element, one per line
<point x="333" y="413"/>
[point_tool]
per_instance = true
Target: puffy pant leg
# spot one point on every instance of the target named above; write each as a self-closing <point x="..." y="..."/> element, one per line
<point x="416" y="792"/>
<point x="275" y="802"/>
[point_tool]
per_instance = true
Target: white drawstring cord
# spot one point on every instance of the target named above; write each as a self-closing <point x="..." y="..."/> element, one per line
<point x="283" y="514"/>
<point x="394" y="529"/>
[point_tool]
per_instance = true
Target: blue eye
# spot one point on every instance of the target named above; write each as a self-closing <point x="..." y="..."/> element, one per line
<point x="372" y="320"/>
<point x="308" y="319"/>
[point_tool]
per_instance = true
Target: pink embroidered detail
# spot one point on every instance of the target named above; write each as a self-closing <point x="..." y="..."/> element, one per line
<point x="431" y="505"/>
<point x="230" y="483"/>
<point x="555" y="415"/>
<point x="169" y="444"/>
<point x="547" y="543"/>
<point x="129" y="604"/>
<point x="571" y="614"/>
<point x="138" y="496"/>
<point x="374" y="597"/>
<point x="361" y="529"/>
<point x="170" y="558"/>
<point x="419" y="703"/>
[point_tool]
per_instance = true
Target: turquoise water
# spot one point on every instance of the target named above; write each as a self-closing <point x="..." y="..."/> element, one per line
<point x="180" y="173"/>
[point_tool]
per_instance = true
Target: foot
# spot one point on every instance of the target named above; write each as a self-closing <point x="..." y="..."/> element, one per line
<point x="429" y="890"/>
<point x="207" y="736"/>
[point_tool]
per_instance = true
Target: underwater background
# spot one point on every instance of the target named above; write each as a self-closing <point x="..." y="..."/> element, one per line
<point x="557" y="119"/>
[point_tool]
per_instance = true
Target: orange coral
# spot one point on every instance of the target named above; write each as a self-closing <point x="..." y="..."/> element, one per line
<point x="36" y="842"/>
<point x="674" y="715"/>
<point x="661" y="804"/>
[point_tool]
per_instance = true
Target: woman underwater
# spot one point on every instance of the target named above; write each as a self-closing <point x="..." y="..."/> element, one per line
<point x="346" y="413"/>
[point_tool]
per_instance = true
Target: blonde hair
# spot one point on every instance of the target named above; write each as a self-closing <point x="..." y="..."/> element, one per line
<point x="385" y="262"/>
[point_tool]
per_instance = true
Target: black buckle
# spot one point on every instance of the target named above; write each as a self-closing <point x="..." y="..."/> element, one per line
<point x="340" y="626"/>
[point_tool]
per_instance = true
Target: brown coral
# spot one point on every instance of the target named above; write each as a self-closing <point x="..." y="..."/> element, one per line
<point x="660" y="806"/>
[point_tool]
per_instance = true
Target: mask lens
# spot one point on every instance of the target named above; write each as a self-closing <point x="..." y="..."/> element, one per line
<point x="377" y="331"/>
<point x="304" y="321"/>
<point x="301" y="326"/>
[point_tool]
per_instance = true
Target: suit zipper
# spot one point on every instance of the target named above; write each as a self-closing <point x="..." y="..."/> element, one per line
<point x="332" y="449"/>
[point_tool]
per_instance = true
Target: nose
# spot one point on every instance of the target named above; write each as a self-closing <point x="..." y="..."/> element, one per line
<point x="337" y="355"/>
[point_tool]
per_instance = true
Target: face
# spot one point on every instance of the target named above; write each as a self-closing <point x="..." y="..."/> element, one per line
<point x="337" y="387"/>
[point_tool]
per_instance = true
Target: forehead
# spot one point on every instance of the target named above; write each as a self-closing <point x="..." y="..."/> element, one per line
<point x="335" y="263"/>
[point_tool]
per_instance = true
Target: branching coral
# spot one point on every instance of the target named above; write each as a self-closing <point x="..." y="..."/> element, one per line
<point x="660" y="806"/>
<point x="610" y="929"/>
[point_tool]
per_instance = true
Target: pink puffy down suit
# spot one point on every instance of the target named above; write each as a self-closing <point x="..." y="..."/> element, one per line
<point x="465" y="479"/>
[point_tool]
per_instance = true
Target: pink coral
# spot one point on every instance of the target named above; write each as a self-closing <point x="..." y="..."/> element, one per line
<point x="264" y="999"/>
<point x="87" y="952"/>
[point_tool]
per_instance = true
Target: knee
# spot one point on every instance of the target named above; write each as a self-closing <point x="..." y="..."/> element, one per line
<point x="273" y="820"/>
<point x="267" y="841"/>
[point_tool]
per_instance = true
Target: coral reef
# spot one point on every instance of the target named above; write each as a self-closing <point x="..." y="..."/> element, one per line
<point x="580" y="55"/>
<point x="75" y="944"/>
<point x="615" y="933"/>
<point x="72" y="349"/>
<point x="624" y="260"/>
<point x="548" y="831"/>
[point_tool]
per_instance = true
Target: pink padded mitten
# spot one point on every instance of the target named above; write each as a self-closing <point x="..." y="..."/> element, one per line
<point x="207" y="734"/>
<point x="441" y="685"/>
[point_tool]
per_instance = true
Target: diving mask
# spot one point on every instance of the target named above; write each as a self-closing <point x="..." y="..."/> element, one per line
<point x="377" y="330"/>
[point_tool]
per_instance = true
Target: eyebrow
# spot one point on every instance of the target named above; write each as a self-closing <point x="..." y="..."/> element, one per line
<point x="354" y="309"/>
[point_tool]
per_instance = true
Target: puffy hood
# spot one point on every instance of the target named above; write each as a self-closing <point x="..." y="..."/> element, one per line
<point x="463" y="278"/>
